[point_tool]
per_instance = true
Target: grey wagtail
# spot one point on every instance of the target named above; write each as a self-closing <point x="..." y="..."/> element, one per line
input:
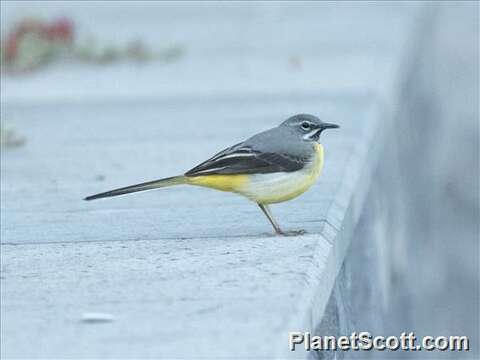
<point x="271" y="167"/>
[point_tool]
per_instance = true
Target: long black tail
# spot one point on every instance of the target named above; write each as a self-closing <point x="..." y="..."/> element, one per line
<point x="175" y="180"/>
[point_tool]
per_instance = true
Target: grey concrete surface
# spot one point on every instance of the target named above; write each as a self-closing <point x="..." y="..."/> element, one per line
<point x="413" y="263"/>
<point x="188" y="272"/>
<point x="441" y="214"/>
<point x="168" y="262"/>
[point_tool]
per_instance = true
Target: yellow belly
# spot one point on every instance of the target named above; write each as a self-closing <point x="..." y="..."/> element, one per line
<point x="267" y="188"/>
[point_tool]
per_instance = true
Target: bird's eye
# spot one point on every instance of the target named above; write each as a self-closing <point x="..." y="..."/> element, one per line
<point x="305" y="125"/>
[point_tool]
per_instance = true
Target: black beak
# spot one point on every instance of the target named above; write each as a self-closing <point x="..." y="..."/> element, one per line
<point x="325" y="125"/>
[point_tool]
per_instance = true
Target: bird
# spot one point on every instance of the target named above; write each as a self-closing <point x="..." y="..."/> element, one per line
<point x="270" y="167"/>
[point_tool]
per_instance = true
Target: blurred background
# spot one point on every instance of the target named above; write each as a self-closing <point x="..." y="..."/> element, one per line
<point x="94" y="93"/>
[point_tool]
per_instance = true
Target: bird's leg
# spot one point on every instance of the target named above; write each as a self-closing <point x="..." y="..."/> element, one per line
<point x="270" y="218"/>
<point x="268" y="214"/>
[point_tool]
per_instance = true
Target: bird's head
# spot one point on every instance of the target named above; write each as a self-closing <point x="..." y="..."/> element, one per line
<point x="307" y="126"/>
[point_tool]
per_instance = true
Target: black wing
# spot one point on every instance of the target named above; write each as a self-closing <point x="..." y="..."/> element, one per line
<point x="243" y="159"/>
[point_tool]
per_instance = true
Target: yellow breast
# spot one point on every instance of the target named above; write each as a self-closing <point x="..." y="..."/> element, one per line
<point x="311" y="174"/>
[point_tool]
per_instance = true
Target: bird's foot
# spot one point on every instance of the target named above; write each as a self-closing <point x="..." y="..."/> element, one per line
<point x="292" y="232"/>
